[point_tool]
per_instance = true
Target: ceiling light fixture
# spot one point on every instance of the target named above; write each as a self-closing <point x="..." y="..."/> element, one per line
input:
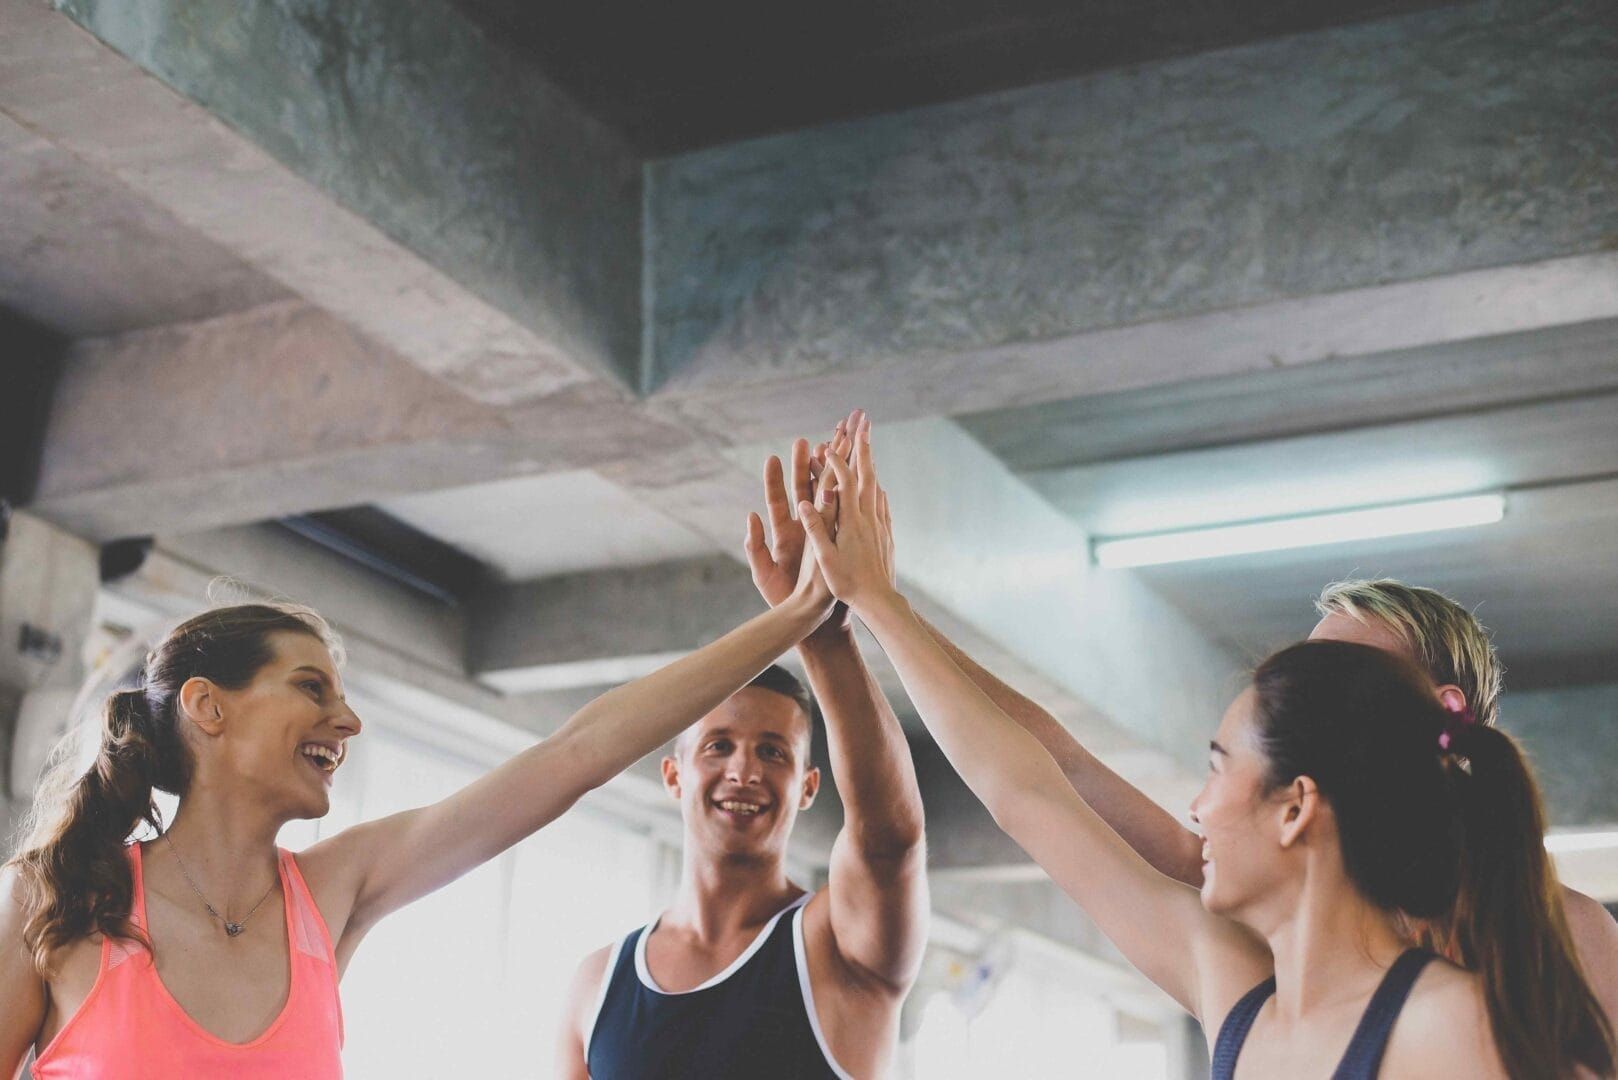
<point x="1308" y="530"/>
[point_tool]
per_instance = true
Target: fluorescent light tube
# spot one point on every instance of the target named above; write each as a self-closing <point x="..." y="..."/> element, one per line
<point x="1303" y="531"/>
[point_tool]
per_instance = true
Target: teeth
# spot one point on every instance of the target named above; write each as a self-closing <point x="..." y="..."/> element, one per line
<point x="739" y="807"/>
<point x="325" y="756"/>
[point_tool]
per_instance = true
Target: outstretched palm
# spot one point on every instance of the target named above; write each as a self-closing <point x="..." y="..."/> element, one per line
<point x="778" y="562"/>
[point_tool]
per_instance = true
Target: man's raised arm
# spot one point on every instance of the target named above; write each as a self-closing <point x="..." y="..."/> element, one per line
<point x="877" y="879"/>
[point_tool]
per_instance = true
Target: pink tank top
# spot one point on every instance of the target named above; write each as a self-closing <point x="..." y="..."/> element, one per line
<point x="129" y="1026"/>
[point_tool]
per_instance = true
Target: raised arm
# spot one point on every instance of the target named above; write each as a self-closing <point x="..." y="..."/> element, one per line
<point x="383" y="865"/>
<point x="877" y="890"/>
<point x="1157" y="922"/>
<point x="1169" y="846"/>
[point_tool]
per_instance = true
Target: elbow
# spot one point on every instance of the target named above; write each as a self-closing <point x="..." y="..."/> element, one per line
<point x="575" y="760"/>
<point x="892" y="843"/>
<point x="1012" y="808"/>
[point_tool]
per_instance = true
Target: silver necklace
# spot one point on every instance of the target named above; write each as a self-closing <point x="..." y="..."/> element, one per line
<point x="232" y="929"/>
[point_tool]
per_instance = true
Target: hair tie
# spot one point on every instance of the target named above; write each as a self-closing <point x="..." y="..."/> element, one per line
<point x="1459" y="720"/>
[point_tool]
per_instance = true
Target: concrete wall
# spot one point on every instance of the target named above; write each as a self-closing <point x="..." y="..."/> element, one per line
<point x="1571" y="736"/>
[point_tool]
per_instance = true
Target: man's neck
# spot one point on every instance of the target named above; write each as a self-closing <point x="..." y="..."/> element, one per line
<point x="720" y="897"/>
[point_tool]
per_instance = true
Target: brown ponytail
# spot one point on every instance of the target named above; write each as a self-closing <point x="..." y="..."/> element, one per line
<point x="72" y="865"/>
<point x="1455" y="839"/>
<point x="1508" y="925"/>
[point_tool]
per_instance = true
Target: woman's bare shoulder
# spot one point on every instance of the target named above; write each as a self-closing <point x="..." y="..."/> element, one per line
<point x="1443" y="1030"/>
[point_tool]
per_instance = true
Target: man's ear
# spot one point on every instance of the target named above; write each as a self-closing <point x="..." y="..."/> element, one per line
<point x="1452" y="697"/>
<point x="671" y="777"/>
<point x="811" y="787"/>
<point x="199" y="704"/>
<point x="1298" y="809"/>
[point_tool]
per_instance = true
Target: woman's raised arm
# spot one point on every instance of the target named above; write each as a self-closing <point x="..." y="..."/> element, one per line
<point x="1203" y="961"/>
<point x="380" y="866"/>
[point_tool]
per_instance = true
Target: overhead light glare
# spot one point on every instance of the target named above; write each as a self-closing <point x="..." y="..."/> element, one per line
<point x="1279" y="534"/>
<point x="1560" y="843"/>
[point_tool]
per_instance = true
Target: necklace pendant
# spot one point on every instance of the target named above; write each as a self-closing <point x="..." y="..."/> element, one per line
<point x="233" y="928"/>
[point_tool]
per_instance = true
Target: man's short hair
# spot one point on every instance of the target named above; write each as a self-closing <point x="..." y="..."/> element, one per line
<point x="1444" y="638"/>
<point x="779" y="679"/>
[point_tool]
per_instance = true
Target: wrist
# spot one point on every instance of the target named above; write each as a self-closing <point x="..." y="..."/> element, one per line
<point x="828" y="636"/>
<point x="879" y="604"/>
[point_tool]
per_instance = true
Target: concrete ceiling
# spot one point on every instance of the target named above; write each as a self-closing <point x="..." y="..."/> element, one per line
<point x="675" y="77"/>
<point x="539" y="526"/>
<point x="1533" y="415"/>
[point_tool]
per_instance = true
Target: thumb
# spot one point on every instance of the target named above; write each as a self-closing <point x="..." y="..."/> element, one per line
<point x="814" y="526"/>
<point x="758" y="555"/>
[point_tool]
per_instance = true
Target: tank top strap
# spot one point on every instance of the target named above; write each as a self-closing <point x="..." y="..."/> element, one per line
<point x="1363" y="1057"/>
<point x="1233" y="1032"/>
<point x="115" y="950"/>
<point x="305" y="926"/>
<point x="137" y="881"/>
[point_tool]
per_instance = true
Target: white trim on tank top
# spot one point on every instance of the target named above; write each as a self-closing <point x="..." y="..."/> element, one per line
<point x="601" y="995"/>
<point x="801" y="954"/>
<point x="647" y="981"/>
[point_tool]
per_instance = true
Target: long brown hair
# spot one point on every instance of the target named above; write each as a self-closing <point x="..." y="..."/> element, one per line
<point x="1441" y="820"/>
<point x="72" y="864"/>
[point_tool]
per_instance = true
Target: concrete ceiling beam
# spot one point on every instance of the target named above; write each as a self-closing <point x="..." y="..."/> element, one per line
<point x="387" y="161"/>
<point x="284" y="409"/>
<point x="1363" y="189"/>
<point x="604" y="626"/>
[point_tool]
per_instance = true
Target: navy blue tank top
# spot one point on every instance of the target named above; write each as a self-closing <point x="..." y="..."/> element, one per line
<point x="754" y="1020"/>
<point x="1363" y="1057"/>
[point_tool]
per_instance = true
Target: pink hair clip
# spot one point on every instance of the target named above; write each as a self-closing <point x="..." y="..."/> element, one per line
<point x="1459" y="718"/>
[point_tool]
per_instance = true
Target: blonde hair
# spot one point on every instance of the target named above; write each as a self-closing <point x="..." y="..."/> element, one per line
<point x="1444" y="638"/>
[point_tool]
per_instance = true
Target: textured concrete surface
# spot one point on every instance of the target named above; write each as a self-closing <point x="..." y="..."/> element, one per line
<point x="48" y="583"/>
<point x="1466" y="138"/>
<point x="1571" y="736"/>
<point x="307" y="229"/>
<point x="638" y="617"/>
<point x="59" y="219"/>
<point x="409" y="116"/>
<point x="285" y="409"/>
<point x="1477" y="374"/>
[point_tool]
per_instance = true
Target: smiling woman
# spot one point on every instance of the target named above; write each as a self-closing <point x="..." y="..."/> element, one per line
<point x="167" y="956"/>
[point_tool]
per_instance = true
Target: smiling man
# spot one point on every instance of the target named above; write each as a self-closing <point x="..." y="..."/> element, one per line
<point x="745" y="974"/>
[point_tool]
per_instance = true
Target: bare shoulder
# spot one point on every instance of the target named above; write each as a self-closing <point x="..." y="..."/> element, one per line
<point x="1595" y="941"/>
<point x="587" y="981"/>
<point x="583" y="991"/>
<point x="1594" y="930"/>
<point x="828" y="966"/>
<point x="22" y="993"/>
<point x="592" y="969"/>
<point x="1443" y="1029"/>
<point x="14" y="913"/>
<point x="577" y="1018"/>
<point x="13" y="903"/>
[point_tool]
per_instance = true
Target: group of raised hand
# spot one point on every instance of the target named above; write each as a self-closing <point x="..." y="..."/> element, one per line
<point x="837" y="512"/>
